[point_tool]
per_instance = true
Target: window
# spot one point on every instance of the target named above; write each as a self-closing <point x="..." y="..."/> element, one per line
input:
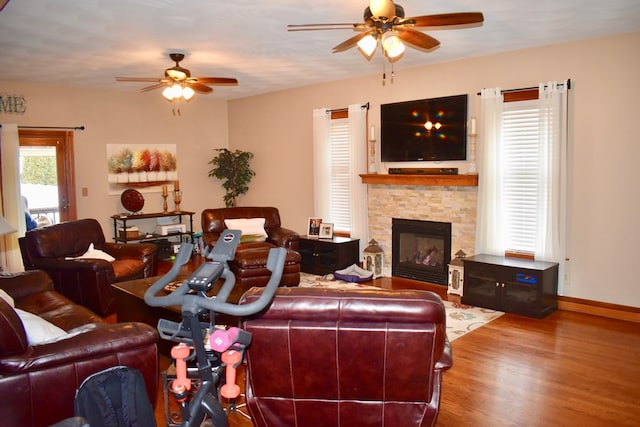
<point x="520" y="156"/>
<point x="339" y="157"/>
<point x="522" y="172"/>
<point x="339" y="175"/>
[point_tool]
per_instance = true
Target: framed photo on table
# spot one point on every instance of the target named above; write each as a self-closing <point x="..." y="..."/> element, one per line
<point x="326" y="230"/>
<point x="313" y="229"/>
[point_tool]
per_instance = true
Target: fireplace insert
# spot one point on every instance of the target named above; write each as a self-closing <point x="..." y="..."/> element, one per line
<point x="421" y="250"/>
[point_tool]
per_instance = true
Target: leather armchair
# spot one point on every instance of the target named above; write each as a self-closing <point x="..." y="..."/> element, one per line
<point x="327" y="357"/>
<point x="38" y="381"/>
<point x="86" y="281"/>
<point x="250" y="263"/>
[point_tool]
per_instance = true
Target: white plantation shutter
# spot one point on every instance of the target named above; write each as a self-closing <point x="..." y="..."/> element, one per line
<point x="339" y="185"/>
<point x="520" y="179"/>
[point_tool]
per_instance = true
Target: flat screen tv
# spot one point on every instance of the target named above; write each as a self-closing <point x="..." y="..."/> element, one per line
<point x="432" y="129"/>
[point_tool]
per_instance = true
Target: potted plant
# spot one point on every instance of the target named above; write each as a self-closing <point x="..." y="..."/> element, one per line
<point x="233" y="168"/>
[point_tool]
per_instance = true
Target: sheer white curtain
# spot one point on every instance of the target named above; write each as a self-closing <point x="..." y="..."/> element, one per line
<point x="553" y="98"/>
<point x="358" y="145"/>
<point x="488" y="231"/>
<point x="321" y="167"/>
<point x="321" y="161"/>
<point x="12" y="207"/>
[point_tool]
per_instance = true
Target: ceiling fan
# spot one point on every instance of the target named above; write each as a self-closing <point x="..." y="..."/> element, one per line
<point x="385" y="21"/>
<point x="178" y="82"/>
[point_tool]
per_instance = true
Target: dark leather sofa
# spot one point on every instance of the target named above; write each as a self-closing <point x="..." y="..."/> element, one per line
<point x="38" y="382"/>
<point x="86" y="281"/>
<point x="359" y="358"/>
<point x="250" y="263"/>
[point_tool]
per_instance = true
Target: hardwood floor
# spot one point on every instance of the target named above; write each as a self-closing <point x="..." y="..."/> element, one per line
<point x="569" y="369"/>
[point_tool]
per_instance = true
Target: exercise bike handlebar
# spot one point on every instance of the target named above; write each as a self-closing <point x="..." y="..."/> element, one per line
<point x="182" y="297"/>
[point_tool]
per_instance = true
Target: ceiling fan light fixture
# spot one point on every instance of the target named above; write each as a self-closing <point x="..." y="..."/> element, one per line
<point x="382" y="8"/>
<point x="168" y="93"/>
<point x="367" y="46"/>
<point x="392" y="45"/>
<point x="187" y="93"/>
<point x="176" y="91"/>
<point x="177" y="73"/>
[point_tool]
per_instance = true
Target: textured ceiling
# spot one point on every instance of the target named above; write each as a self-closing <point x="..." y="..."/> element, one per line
<point x="89" y="42"/>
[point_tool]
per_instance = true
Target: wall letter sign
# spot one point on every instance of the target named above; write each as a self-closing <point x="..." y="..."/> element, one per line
<point x="12" y="104"/>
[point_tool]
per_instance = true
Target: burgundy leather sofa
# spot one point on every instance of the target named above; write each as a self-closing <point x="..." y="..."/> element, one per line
<point x="86" y="281"/>
<point x="326" y="357"/>
<point x="250" y="263"/>
<point x="38" y="382"/>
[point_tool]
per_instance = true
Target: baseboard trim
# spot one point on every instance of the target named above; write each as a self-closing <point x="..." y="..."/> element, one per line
<point x="597" y="308"/>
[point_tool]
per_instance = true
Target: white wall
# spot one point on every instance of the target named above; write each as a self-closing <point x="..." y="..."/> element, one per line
<point x="604" y="198"/>
<point x="276" y="127"/>
<point x="129" y="117"/>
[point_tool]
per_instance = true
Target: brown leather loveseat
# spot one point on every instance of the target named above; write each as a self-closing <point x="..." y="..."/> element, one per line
<point x="358" y="358"/>
<point x="250" y="263"/>
<point x="38" y="381"/>
<point x="86" y="281"/>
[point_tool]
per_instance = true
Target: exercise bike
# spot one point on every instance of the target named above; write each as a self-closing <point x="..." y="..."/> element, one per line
<point x="213" y="350"/>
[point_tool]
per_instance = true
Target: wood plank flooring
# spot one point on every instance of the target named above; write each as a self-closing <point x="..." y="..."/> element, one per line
<point x="569" y="369"/>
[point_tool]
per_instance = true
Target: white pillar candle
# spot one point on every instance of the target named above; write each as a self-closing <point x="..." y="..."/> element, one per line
<point x="372" y="134"/>
<point x="473" y="125"/>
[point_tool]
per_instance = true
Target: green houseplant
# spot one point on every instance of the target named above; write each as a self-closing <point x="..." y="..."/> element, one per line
<point x="234" y="169"/>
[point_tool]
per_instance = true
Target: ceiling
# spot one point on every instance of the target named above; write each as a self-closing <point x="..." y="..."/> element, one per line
<point x="88" y="43"/>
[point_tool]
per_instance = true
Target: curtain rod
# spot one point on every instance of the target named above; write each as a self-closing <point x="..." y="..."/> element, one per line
<point x="522" y="89"/>
<point x="337" y="110"/>
<point x="52" y="127"/>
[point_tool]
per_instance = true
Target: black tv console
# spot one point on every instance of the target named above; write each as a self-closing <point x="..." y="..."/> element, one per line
<point x="423" y="171"/>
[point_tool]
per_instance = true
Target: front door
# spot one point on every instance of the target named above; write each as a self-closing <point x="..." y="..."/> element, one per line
<point x="47" y="174"/>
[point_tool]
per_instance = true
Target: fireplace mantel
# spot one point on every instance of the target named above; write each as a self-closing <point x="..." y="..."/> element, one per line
<point x="427" y="180"/>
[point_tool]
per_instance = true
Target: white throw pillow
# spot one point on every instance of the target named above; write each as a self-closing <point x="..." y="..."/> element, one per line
<point x="38" y="330"/>
<point x="252" y="228"/>
<point x="5" y="296"/>
<point x="95" y="254"/>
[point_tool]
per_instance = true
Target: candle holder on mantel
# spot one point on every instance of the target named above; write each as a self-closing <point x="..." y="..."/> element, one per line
<point x="472" y="154"/>
<point x="371" y="152"/>
<point x="472" y="147"/>
<point x="177" y="199"/>
<point x="165" y="208"/>
<point x="372" y="157"/>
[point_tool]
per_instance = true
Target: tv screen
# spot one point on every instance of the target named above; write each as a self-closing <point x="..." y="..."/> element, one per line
<point x="424" y="130"/>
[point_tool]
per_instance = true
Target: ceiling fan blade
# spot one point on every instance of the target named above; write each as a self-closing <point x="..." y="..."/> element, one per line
<point x="445" y="19"/>
<point x="137" y="79"/>
<point x="417" y="39"/>
<point x="351" y="42"/>
<point x="218" y="81"/>
<point x="199" y="87"/>
<point x="314" y="27"/>
<point x="152" y="87"/>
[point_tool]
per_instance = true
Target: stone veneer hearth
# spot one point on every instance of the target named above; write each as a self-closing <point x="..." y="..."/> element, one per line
<point x="454" y="204"/>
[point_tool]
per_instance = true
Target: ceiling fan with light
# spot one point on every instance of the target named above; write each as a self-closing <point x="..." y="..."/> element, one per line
<point x="384" y="22"/>
<point x="178" y="83"/>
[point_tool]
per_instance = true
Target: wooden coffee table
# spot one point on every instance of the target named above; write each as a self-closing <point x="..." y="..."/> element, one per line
<point x="130" y="306"/>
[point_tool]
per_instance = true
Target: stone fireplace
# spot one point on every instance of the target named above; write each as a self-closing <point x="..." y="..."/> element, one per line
<point x="421" y="250"/>
<point x="441" y="199"/>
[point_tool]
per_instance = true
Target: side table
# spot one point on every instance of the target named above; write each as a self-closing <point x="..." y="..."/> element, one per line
<point x="324" y="256"/>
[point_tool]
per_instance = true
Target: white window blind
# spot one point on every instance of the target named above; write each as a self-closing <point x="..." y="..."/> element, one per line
<point x="519" y="181"/>
<point x="339" y="193"/>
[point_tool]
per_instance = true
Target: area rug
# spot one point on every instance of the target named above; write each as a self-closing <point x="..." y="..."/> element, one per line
<point x="461" y="318"/>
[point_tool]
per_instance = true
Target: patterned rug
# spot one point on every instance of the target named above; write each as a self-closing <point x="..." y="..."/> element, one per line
<point x="461" y="319"/>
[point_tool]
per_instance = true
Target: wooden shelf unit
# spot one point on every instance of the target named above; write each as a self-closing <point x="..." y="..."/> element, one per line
<point x="120" y="222"/>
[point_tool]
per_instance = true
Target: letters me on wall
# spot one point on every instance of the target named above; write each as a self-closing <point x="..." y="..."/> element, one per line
<point x="12" y="104"/>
